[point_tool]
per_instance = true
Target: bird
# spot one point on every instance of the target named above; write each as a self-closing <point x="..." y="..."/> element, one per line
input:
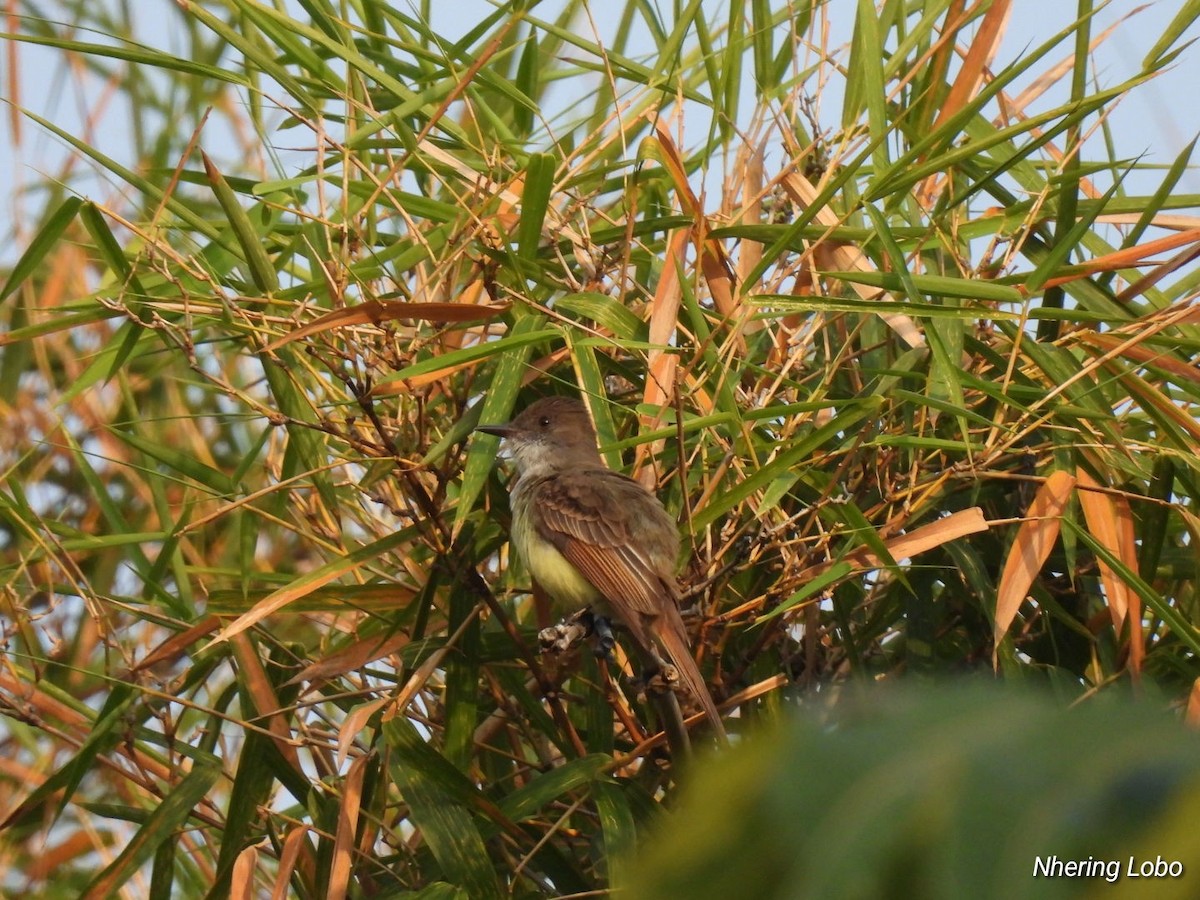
<point x="595" y="539"/>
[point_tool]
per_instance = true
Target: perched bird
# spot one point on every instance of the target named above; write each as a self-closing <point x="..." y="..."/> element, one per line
<point x="592" y="537"/>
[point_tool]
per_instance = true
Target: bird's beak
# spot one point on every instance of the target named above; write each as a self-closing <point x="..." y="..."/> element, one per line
<point x="497" y="430"/>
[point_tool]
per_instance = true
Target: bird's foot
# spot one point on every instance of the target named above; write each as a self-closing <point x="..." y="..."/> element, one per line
<point x="570" y="631"/>
<point x="663" y="681"/>
<point x="563" y="636"/>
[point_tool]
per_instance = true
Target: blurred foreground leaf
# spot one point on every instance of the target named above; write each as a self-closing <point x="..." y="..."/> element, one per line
<point x="942" y="793"/>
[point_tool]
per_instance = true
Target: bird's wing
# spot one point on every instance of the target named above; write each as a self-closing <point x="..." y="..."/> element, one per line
<point x="596" y="532"/>
<point x="586" y="516"/>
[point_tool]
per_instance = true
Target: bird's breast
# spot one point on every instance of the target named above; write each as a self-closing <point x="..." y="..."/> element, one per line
<point x="564" y="583"/>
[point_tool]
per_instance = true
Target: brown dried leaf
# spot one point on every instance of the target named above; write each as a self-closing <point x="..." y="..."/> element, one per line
<point x="1130" y="349"/>
<point x="177" y="645"/>
<point x="661" y="363"/>
<point x="1110" y="521"/>
<point x="751" y="214"/>
<point x="266" y="702"/>
<point x="348" y="659"/>
<point x="714" y="261"/>
<point x="354" y="724"/>
<point x="376" y="312"/>
<point x="295" y="844"/>
<point x="982" y="50"/>
<point x="838" y="256"/>
<point x="1101" y="513"/>
<point x="341" y="866"/>
<point x="944" y="530"/>
<point x="1033" y="544"/>
<point x="242" y="880"/>
<point x="904" y="546"/>
<point x="1126" y="257"/>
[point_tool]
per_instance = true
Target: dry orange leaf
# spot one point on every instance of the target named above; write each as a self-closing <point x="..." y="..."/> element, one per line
<point x="944" y="530"/>
<point x="839" y="256"/>
<point x="1137" y="353"/>
<point x="357" y="655"/>
<point x="1101" y="513"/>
<point x="177" y="645"/>
<point x="980" y="51"/>
<point x="714" y="261"/>
<point x="355" y="724"/>
<point x="1035" y="540"/>
<point x="661" y="363"/>
<point x="378" y="311"/>
<point x="341" y="865"/>
<point x="664" y="315"/>
<point x="242" y="881"/>
<point x="1127" y="257"/>
<point x="297" y="853"/>
<point x="903" y="546"/>
<point x="1110" y="521"/>
<point x="262" y="695"/>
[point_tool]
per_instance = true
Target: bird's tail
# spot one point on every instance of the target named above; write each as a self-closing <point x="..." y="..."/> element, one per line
<point x="671" y="635"/>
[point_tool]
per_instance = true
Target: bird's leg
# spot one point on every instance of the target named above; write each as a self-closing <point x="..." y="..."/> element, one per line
<point x="605" y="641"/>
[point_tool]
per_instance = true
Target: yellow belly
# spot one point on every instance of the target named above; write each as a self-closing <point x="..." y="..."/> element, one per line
<point x="561" y="580"/>
<point x="566" y="586"/>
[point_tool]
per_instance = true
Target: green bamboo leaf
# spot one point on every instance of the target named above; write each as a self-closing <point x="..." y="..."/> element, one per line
<point x="773" y="306"/>
<point x="539" y="182"/>
<point x="133" y="53"/>
<point x="848" y="418"/>
<point x="435" y="793"/>
<point x="935" y="285"/>
<point x="591" y="383"/>
<point x="1158" y="55"/>
<point x="555" y="786"/>
<point x="462" y="673"/>
<point x="305" y="452"/>
<point x="761" y="23"/>
<point x="262" y="270"/>
<point x="41" y="243"/>
<point x="128" y="176"/>
<point x="818" y="585"/>
<point x="108" y="541"/>
<point x="605" y="312"/>
<point x="865" y="89"/>
<point x="617" y="825"/>
<point x="1153" y="535"/>
<point x="1052" y="263"/>
<point x="258" y="56"/>
<point x="526" y="82"/>
<point x="906" y="172"/>
<point x="513" y="344"/>
<point x="179" y="461"/>
<point x="172" y="813"/>
<point x="104" y="732"/>
<point x="109" y="361"/>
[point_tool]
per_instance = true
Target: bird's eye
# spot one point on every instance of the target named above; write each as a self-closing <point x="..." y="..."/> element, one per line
<point x="544" y="421"/>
